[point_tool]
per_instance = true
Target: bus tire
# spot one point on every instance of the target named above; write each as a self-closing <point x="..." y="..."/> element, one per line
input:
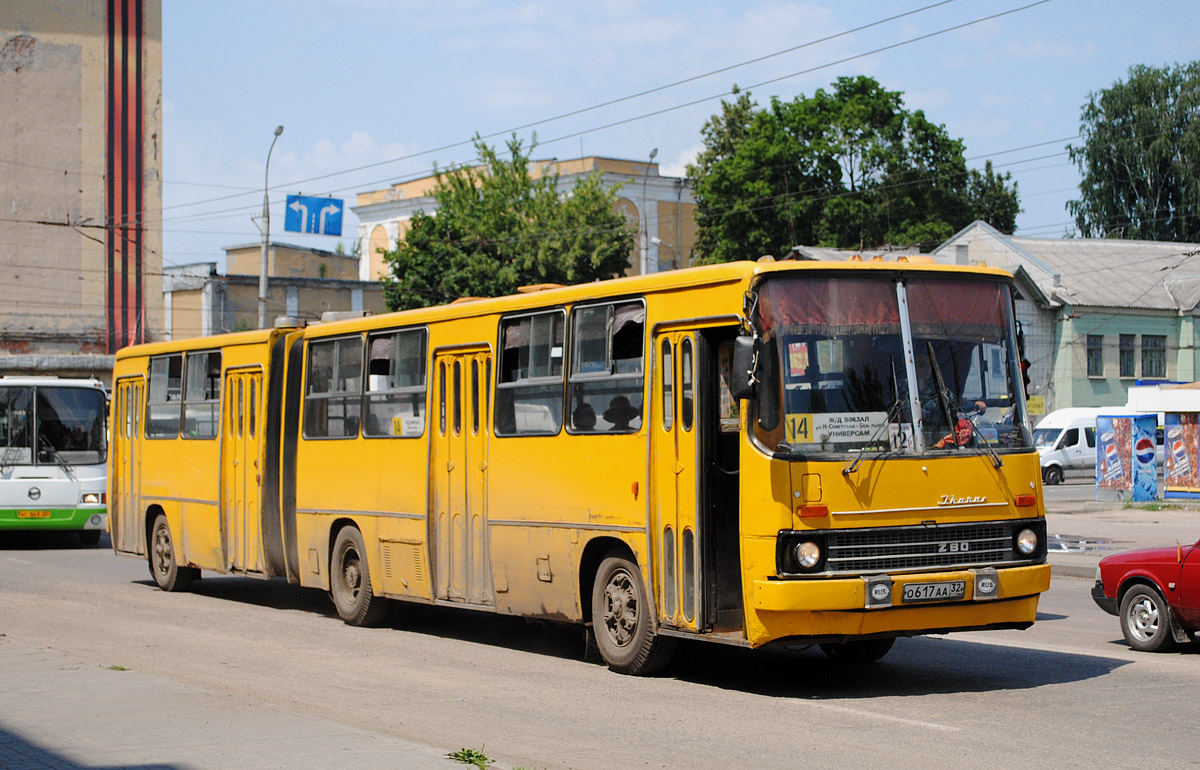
<point x="858" y="651"/>
<point x="350" y="582"/>
<point x="164" y="567"/>
<point x="621" y="621"/>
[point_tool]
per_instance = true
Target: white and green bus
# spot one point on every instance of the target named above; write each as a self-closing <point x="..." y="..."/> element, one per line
<point x="53" y="450"/>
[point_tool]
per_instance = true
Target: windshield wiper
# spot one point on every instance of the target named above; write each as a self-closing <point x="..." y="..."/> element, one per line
<point x="62" y="463"/>
<point x="892" y="413"/>
<point x="948" y="411"/>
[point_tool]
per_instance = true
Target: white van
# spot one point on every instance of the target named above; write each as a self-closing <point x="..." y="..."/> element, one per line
<point x="1066" y="440"/>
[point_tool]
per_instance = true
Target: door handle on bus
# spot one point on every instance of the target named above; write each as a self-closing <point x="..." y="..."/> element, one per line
<point x="677" y="467"/>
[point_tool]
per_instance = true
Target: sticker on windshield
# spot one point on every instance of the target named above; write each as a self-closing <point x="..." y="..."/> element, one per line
<point x="855" y="428"/>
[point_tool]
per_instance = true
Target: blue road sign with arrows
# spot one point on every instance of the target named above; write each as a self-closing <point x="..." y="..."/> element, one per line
<point x="319" y="216"/>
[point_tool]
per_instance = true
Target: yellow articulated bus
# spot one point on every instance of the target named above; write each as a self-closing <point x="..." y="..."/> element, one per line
<point x="751" y="453"/>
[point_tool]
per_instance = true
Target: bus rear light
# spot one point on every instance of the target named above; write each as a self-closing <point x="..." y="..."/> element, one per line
<point x="1025" y="501"/>
<point x="812" y="511"/>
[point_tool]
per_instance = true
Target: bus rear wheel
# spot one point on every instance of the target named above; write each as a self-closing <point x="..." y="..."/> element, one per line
<point x="621" y="621"/>
<point x="164" y="568"/>
<point x="350" y="582"/>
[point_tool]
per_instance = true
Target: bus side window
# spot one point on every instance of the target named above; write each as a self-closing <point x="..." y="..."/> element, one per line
<point x="395" y="397"/>
<point x="165" y="397"/>
<point x="529" y="396"/>
<point x="202" y="396"/>
<point x="606" y="367"/>
<point x="333" y="393"/>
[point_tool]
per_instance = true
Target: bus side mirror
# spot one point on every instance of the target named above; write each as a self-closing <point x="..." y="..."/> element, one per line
<point x="743" y="377"/>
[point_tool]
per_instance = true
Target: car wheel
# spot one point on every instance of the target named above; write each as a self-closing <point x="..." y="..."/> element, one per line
<point x="861" y="651"/>
<point x="1146" y="620"/>
<point x="1052" y="475"/>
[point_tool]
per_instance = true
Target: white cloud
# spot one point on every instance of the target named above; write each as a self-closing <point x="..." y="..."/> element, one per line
<point x="678" y="167"/>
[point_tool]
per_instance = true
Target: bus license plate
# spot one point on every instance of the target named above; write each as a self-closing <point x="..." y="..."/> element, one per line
<point x="33" y="514"/>
<point x="945" y="591"/>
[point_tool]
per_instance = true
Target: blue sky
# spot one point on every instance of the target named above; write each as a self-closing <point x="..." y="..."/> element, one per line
<point x="398" y="86"/>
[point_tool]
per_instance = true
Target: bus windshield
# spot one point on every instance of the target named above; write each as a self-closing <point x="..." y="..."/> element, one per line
<point x="837" y="377"/>
<point x="52" y="425"/>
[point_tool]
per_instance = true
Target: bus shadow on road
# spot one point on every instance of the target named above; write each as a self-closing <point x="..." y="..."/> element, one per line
<point x="915" y="667"/>
<point x="48" y="540"/>
<point x="274" y="593"/>
<point x="17" y="752"/>
<point x="561" y="640"/>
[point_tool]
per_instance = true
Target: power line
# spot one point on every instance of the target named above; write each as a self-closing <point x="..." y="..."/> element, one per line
<point x="653" y="113"/>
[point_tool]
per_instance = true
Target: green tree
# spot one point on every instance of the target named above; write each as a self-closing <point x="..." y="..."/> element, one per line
<point x="498" y="226"/>
<point x="850" y="168"/>
<point x="1140" y="157"/>
<point x="992" y="200"/>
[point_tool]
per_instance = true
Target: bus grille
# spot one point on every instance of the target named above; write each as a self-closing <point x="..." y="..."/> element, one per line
<point x="897" y="549"/>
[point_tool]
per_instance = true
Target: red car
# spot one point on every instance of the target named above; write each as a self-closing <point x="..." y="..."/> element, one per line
<point x="1155" y="592"/>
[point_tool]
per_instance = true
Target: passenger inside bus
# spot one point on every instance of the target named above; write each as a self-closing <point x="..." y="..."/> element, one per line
<point x="620" y="413"/>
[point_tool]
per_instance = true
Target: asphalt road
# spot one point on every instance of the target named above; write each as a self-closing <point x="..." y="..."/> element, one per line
<point x="1066" y="693"/>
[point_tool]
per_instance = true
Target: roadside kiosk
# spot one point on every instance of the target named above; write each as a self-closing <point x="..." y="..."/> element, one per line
<point x="1126" y="466"/>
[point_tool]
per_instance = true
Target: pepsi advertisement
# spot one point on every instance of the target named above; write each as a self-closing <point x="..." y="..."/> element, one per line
<point x="1125" y="457"/>
<point x="1181" y="444"/>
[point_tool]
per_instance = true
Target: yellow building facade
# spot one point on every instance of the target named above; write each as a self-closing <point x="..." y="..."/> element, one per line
<point x="660" y="208"/>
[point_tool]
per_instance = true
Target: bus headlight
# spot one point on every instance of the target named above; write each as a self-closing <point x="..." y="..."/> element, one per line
<point x="807" y="554"/>
<point x="1027" y="542"/>
<point x="92" y="498"/>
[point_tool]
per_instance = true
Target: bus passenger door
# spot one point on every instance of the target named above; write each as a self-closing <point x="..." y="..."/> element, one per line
<point x="124" y="508"/>
<point x="462" y="569"/>
<point x="675" y="441"/>
<point x="241" y="474"/>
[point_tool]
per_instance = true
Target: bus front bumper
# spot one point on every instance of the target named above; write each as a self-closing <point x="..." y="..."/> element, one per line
<point x="80" y="518"/>
<point x="897" y="605"/>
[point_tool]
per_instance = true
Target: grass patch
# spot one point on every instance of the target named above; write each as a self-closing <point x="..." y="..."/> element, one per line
<point x="1147" y="506"/>
<point x="115" y="667"/>
<point x="471" y="757"/>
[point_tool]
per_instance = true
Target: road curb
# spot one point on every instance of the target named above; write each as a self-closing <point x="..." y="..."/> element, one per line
<point x="1072" y="570"/>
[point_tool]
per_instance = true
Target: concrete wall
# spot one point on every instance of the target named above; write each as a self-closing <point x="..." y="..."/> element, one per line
<point x="71" y="285"/>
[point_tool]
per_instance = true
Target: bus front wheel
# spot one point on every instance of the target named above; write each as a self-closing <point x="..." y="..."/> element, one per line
<point x="621" y="621"/>
<point x="858" y="651"/>
<point x="164" y="567"/>
<point x="350" y="582"/>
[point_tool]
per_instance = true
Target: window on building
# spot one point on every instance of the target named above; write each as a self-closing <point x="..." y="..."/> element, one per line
<point x="1095" y="355"/>
<point x="333" y="391"/>
<point x="165" y="396"/>
<point x="1154" y="356"/>
<point x="1128" y="361"/>
<point x="396" y="384"/>
<point x="606" y="368"/>
<point x="529" y="396"/>
<point x="202" y="396"/>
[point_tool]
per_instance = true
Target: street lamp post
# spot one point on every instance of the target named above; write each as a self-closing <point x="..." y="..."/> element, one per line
<point x="660" y="244"/>
<point x="266" y="233"/>
<point x="645" y="214"/>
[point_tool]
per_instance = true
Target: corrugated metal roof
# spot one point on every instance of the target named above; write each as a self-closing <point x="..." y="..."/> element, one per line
<point x="1098" y="272"/>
